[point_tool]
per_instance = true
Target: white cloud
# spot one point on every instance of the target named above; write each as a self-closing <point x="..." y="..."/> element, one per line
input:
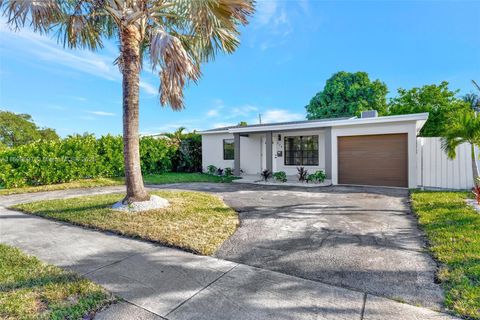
<point x="272" y="16"/>
<point x="223" y="124"/>
<point x="265" y="11"/>
<point x="86" y="118"/>
<point x="102" y="113"/>
<point x="242" y="111"/>
<point x="280" y="115"/>
<point x="148" y="88"/>
<point x="230" y="112"/>
<point x="47" y="49"/>
<point x="189" y="124"/>
<point x="271" y="13"/>
<point x="228" y="116"/>
<point x="213" y="112"/>
<point x="304" y="5"/>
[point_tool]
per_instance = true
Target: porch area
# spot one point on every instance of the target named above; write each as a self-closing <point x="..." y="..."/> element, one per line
<point x="284" y="151"/>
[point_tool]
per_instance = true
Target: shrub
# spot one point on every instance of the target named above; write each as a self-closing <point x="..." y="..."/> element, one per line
<point x="318" y="176"/>
<point x="211" y="169"/>
<point x="110" y="151"/>
<point x="476" y="192"/>
<point x="77" y="157"/>
<point x="219" y="171"/>
<point x="302" y="174"/>
<point x="280" y="176"/>
<point x="266" y="174"/>
<point x="155" y="155"/>
<point x="190" y="154"/>
<point x="228" y="172"/>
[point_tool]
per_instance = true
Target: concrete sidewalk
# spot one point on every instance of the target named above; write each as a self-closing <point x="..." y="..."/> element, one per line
<point x="163" y="283"/>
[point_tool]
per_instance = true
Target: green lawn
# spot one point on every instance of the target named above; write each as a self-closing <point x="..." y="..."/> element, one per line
<point x="31" y="289"/>
<point x="453" y="230"/>
<point x="84" y="183"/>
<point x="194" y="221"/>
<point x="164" y="178"/>
<point x="177" y="177"/>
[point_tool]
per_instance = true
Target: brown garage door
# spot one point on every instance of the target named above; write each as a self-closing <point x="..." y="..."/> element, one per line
<point x="379" y="160"/>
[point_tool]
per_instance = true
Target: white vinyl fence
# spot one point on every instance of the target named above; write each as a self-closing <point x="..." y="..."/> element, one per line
<point x="436" y="171"/>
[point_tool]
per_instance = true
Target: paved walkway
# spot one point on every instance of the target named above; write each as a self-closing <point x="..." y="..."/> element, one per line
<point x="162" y="283"/>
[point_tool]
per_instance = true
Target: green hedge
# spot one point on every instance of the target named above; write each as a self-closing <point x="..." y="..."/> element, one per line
<point x="189" y="155"/>
<point x="77" y="157"/>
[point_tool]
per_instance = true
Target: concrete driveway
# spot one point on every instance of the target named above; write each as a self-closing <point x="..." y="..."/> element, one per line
<point x="355" y="244"/>
<point x="364" y="239"/>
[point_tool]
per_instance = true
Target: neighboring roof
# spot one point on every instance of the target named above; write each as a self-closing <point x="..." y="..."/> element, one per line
<point x="319" y="123"/>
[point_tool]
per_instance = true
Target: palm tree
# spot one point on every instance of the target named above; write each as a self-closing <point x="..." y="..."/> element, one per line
<point x="463" y="129"/>
<point x="177" y="136"/>
<point x="473" y="100"/>
<point x="177" y="36"/>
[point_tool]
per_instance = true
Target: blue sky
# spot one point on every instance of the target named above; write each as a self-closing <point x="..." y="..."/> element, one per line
<point x="287" y="52"/>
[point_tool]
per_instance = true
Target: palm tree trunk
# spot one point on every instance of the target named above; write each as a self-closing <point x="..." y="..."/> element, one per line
<point x="474" y="165"/>
<point x="130" y="59"/>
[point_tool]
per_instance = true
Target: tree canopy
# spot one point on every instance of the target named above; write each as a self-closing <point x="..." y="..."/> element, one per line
<point x="438" y="100"/>
<point x="347" y="94"/>
<point x="19" y="129"/>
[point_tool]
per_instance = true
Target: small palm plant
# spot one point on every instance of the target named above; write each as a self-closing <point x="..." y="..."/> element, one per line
<point x="465" y="128"/>
<point x="177" y="35"/>
<point x="302" y="174"/>
<point x="266" y="174"/>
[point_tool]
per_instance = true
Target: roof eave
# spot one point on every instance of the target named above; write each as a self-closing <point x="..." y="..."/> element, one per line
<point x="347" y="122"/>
<point x="213" y="132"/>
<point x="420" y="117"/>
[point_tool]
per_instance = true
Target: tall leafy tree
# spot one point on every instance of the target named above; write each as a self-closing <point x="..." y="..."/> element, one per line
<point x="347" y="94"/>
<point x="463" y="128"/>
<point x="438" y="100"/>
<point x="18" y="129"/>
<point x="176" y="35"/>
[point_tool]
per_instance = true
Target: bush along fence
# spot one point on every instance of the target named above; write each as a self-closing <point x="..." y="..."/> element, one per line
<point x="84" y="156"/>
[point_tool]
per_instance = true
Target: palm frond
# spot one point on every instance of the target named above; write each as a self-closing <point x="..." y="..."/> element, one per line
<point x="177" y="67"/>
<point x="39" y="14"/>
<point x="178" y="35"/>
<point x="209" y="26"/>
<point x="84" y="23"/>
<point x="464" y="128"/>
<point x="476" y="85"/>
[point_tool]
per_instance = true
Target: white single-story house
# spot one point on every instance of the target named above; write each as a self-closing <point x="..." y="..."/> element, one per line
<point x="369" y="150"/>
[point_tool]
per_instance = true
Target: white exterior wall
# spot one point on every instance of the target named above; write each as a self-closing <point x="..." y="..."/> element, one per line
<point x="250" y="161"/>
<point x="370" y="129"/>
<point x="212" y="152"/>
<point x="436" y="170"/>
<point x="279" y="162"/>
